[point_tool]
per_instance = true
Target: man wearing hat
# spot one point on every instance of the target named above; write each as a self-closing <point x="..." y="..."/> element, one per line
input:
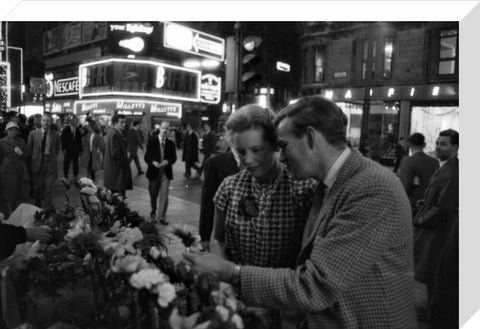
<point x="44" y="145"/>
<point x="13" y="156"/>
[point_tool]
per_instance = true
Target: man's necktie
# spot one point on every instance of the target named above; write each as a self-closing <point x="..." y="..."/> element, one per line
<point x="44" y="141"/>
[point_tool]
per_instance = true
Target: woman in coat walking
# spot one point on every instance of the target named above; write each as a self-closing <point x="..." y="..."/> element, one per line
<point x="13" y="156"/>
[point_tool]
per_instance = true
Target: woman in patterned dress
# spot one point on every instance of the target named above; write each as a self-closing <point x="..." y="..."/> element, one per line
<point x="261" y="211"/>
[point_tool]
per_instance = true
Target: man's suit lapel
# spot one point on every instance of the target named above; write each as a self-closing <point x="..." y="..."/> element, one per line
<point x="314" y="223"/>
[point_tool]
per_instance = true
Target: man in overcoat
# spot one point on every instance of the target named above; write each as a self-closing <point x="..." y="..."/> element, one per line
<point x="355" y="268"/>
<point x="190" y="151"/>
<point x="416" y="170"/>
<point x="71" y="146"/>
<point x="117" y="174"/>
<point x="43" y="146"/>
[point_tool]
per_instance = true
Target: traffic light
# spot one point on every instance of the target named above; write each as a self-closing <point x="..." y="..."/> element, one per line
<point x="250" y="60"/>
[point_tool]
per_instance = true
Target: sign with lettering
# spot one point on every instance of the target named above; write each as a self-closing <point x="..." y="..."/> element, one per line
<point x="210" y="89"/>
<point x="38" y="86"/>
<point x="59" y="106"/>
<point x="130" y="38"/>
<point x="129" y="77"/>
<point x="192" y="41"/>
<point x="128" y="107"/>
<point x="62" y="87"/>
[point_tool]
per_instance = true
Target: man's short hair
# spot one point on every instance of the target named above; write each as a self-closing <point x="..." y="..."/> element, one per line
<point x="453" y="134"/>
<point x="116" y="117"/>
<point x="319" y="113"/>
<point x="136" y="123"/>
<point x="416" y="139"/>
<point x="252" y="116"/>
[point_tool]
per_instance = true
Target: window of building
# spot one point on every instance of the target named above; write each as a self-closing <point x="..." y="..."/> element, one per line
<point x="365" y="59"/>
<point x="305" y="66"/>
<point x="387" y="58"/>
<point x="448" y="51"/>
<point x="319" y="64"/>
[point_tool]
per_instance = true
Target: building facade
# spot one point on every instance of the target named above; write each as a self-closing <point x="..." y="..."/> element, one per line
<point x="390" y="78"/>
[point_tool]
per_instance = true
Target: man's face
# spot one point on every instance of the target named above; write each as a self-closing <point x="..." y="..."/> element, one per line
<point x="37" y="121"/>
<point x="121" y="124"/>
<point x="46" y="122"/>
<point x="206" y="128"/>
<point x="444" y="148"/>
<point x="255" y="153"/>
<point x="74" y="122"/>
<point x="293" y="150"/>
<point x="164" y="127"/>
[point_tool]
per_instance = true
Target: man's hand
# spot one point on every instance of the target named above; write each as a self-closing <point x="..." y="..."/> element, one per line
<point x="156" y="164"/>
<point x="42" y="233"/>
<point x="210" y="263"/>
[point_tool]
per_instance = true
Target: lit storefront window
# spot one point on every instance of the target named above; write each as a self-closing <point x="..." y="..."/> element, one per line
<point x="319" y="64"/>
<point x="431" y="120"/>
<point x="448" y="52"/>
<point x="354" y="116"/>
<point x="387" y="60"/>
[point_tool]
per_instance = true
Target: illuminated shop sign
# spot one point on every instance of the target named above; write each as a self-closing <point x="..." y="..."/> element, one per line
<point x="210" y="89"/>
<point x="133" y="28"/>
<point x="144" y="78"/>
<point x="130" y="38"/>
<point x="59" y="106"/>
<point x="192" y="41"/>
<point x="128" y="107"/>
<point x="281" y="66"/>
<point x="61" y="87"/>
<point x="5" y="89"/>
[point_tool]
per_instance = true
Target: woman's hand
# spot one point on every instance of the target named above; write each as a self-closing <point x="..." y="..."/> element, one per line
<point x="210" y="263"/>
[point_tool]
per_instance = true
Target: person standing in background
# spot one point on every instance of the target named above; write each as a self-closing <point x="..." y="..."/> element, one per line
<point x="209" y="144"/>
<point x="93" y="150"/>
<point x="44" y="145"/>
<point x="416" y="170"/>
<point x="134" y="141"/>
<point x="160" y="156"/>
<point x="117" y="174"/>
<point x="190" y="151"/>
<point x="71" y="146"/>
<point x="13" y="170"/>
<point x="400" y="153"/>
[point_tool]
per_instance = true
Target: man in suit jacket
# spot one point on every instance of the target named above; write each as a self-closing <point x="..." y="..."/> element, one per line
<point x="354" y="269"/>
<point x="71" y="146"/>
<point x="416" y="170"/>
<point x="43" y="146"/>
<point x="117" y="174"/>
<point x="438" y="210"/>
<point x="190" y="151"/>
<point x="209" y="144"/>
<point x="217" y="168"/>
<point x="161" y="154"/>
<point x="134" y="141"/>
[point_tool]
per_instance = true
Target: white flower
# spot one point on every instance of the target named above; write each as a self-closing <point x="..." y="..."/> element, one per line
<point x="155" y="253"/>
<point x="237" y="321"/>
<point x="129" y="235"/>
<point x="223" y="311"/>
<point x="79" y="226"/>
<point x="115" y="227"/>
<point x="87" y="259"/>
<point x="166" y="293"/>
<point x="232" y="303"/>
<point x="147" y="278"/>
<point x="203" y="325"/>
<point x="93" y="199"/>
<point x="124" y="249"/>
<point x="88" y="190"/>
<point x="128" y="264"/>
<point x="34" y="250"/>
<point x="84" y="181"/>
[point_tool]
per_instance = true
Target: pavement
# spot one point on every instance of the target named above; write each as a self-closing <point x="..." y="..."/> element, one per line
<point x="183" y="206"/>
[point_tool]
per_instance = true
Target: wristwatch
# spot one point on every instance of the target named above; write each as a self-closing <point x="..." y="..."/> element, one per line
<point x="235" y="279"/>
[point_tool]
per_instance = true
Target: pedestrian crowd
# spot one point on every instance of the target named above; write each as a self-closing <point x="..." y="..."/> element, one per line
<point x="306" y="228"/>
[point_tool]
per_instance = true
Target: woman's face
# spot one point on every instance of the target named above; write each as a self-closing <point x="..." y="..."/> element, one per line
<point x="12" y="132"/>
<point x="256" y="154"/>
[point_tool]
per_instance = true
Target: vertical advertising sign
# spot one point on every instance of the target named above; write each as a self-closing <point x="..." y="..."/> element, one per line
<point x="4" y="85"/>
